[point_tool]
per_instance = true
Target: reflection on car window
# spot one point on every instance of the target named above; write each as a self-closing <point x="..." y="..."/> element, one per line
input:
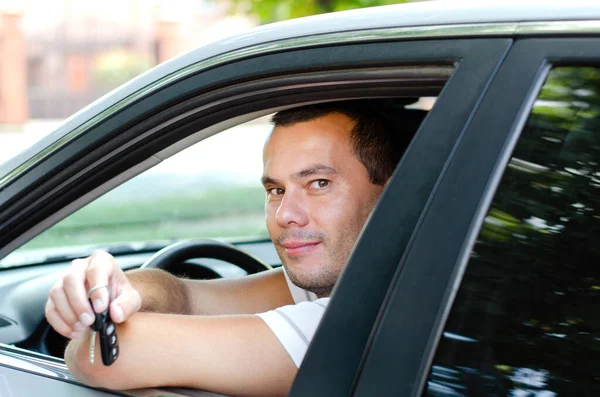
<point x="526" y="320"/>
<point x="211" y="189"/>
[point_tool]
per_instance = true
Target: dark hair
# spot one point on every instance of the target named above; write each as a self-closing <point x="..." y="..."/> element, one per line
<point x="380" y="134"/>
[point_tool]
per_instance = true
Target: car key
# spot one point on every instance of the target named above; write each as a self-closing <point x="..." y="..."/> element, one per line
<point x="105" y="328"/>
<point x="92" y="345"/>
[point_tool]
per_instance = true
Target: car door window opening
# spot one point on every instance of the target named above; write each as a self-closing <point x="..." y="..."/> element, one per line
<point x="177" y="171"/>
<point x="210" y="189"/>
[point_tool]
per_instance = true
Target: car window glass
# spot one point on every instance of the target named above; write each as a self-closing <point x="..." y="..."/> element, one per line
<point x="525" y="321"/>
<point x="211" y="189"/>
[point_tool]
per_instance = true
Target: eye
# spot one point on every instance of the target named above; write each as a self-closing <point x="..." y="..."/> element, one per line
<point x="275" y="191"/>
<point x="319" y="184"/>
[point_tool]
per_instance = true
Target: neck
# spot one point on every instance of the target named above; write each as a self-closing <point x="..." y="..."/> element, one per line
<point x="322" y="292"/>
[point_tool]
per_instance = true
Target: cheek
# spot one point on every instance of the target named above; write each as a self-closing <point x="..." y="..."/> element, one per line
<point x="270" y="218"/>
<point x="343" y="215"/>
<point x="332" y="216"/>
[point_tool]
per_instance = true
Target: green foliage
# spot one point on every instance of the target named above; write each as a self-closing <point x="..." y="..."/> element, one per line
<point x="278" y="10"/>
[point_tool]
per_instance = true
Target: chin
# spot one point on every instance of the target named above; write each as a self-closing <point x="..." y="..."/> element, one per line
<point x="304" y="268"/>
<point x="316" y="281"/>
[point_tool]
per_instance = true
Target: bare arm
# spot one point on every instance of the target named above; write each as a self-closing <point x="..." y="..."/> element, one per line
<point x="246" y="295"/>
<point x="152" y="290"/>
<point x="235" y="353"/>
<point x="164" y="293"/>
<point x="225" y="354"/>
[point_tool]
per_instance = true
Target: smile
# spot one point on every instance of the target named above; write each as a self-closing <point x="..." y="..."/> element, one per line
<point x="300" y="248"/>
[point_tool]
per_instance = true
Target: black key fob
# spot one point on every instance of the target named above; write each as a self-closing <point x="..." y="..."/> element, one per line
<point x="107" y="334"/>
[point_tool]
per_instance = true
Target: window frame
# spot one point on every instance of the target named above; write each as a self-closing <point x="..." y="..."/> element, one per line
<point x="455" y="217"/>
<point x="397" y="213"/>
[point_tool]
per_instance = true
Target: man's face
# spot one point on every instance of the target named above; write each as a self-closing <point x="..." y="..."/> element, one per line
<point x="318" y="198"/>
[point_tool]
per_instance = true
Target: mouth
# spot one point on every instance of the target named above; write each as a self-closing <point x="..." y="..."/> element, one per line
<point x="295" y="248"/>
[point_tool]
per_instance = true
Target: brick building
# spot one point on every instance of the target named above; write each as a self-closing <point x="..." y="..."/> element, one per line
<point x="13" y="70"/>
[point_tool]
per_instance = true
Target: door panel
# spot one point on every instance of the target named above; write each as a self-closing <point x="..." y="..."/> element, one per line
<point x="412" y="323"/>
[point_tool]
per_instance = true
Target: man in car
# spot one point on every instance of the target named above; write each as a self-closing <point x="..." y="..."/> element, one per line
<point x="324" y="169"/>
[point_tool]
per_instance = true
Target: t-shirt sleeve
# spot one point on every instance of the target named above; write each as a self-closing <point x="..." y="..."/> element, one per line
<point x="295" y="325"/>
<point x="299" y="294"/>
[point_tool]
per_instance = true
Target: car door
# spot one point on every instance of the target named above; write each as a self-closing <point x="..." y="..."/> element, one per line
<point x="499" y="292"/>
<point x="137" y="133"/>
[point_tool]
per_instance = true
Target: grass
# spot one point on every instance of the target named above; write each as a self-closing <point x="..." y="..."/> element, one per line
<point x="219" y="212"/>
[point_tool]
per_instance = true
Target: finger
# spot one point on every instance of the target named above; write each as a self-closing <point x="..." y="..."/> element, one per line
<point x="74" y="287"/>
<point x="98" y="273"/>
<point x="125" y="305"/>
<point x="61" y="304"/>
<point x="56" y="321"/>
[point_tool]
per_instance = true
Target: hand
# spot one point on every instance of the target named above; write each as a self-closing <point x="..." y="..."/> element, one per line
<point x="68" y="309"/>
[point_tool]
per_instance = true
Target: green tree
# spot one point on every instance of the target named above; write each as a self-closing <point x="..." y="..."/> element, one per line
<point x="278" y="10"/>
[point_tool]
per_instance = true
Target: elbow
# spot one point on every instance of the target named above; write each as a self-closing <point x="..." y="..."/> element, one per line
<point x="95" y="375"/>
<point x="78" y="363"/>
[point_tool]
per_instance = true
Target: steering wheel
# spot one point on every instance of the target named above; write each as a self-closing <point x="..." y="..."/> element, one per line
<point x="181" y="251"/>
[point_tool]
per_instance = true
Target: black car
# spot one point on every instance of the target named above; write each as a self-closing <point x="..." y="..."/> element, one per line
<point x="477" y="273"/>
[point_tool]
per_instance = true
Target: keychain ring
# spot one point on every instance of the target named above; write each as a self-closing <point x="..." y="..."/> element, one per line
<point x="97" y="288"/>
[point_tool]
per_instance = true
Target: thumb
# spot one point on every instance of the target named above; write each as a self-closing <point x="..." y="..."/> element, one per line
<point x="125" y="305"/>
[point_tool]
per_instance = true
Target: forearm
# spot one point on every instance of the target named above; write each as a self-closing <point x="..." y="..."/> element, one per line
<point x="160" y="291"/>
<point x="236" y="355"/>
<point x="128" y="370"/>
<point x="246" y="295"/>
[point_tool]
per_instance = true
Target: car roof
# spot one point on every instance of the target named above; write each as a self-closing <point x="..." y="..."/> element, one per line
<point x="507" y="15"/>
<point x="439" y="12"/>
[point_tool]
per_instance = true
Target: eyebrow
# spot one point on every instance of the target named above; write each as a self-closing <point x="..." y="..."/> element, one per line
<point x="310" y="171"/>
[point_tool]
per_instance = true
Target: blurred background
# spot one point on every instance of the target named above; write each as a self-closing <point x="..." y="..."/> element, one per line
<point x="58" y="56"/>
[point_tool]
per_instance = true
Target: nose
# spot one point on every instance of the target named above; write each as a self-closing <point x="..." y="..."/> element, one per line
<point x="292" y="210"/>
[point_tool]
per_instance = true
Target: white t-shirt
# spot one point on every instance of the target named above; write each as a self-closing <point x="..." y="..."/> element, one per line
<point x="295" y="325"/>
